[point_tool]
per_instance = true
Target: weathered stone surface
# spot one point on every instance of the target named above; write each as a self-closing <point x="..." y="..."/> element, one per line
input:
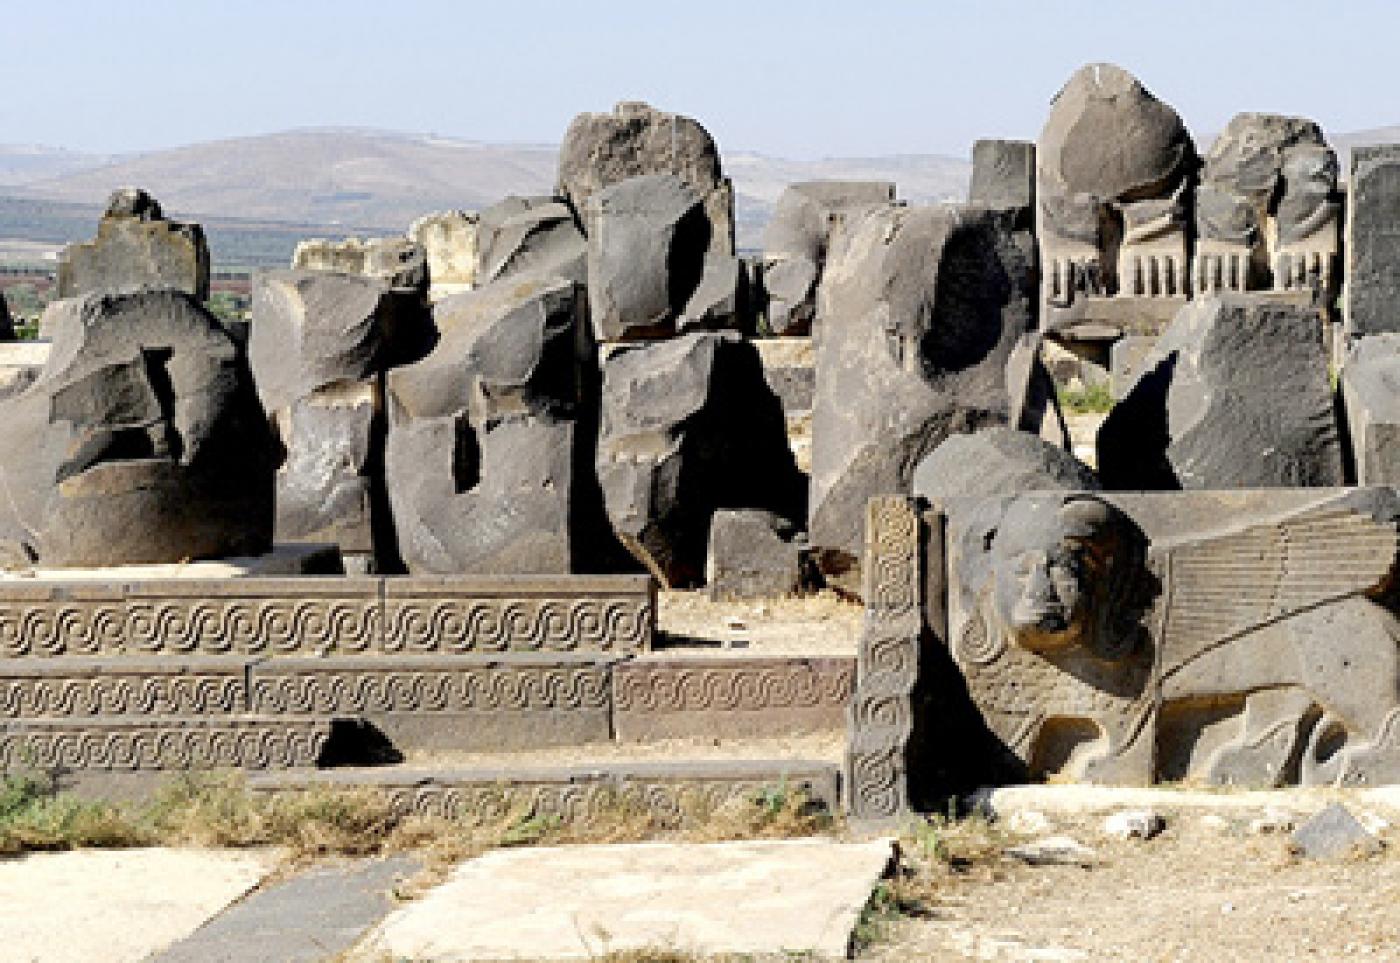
<point x="713" y="698"/>
<point x="647" y="239"/>
<point x="332" y="476"/>
<point x="1371" y="395"/>
<point x="1112" y="166"/>
<point x="1126" y="359"/>
<point x="171" y="742"/>
<point x="600" y="150"/>
<point x="1235" y="395"/>
<point x="136" y="246"/>
<point x="796" y="241"/>
<point x="1003" y="174"/>
<point x="303" y="615"/>
<point x="399" y="262"/>
<point x="1373" y="241"/>
<point x="1243" y="190"/>
<point x="481" y="451"/>
<point x="81" y="687"/>
<point x="929" y="304"/>
<point x="145" y="440"/>
<point x="314" y="329"/>
<point x="1333" y="832"/>
<point x="752" y="554"/>
<point x="449" y="241"/>
<point x="1257" y="652"/>
<point x="529" y="235"/>
<point x="487" y="702"/>
<point x="997" y="461"/>
<point x="20" y="364"/>
<point x="688" y="425"/>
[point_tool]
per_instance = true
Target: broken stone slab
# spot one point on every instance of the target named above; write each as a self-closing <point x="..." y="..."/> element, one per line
<point x="529" y="235"/>
<point x="689" y="427"/>
<point x="329" y="484"/>
<point x="1234" y="395"/>
<point x="1331" y="833"/>
<point x="480" y="461"/>
<point x="998" y="461"/>
<point x="715" y="899"/>
<point x="930" y="304"/>
<point x="1003" y="174"/>
<point x="1373" y="241"/>
<point x="752" y="554"/>
<point x="136" y="246"/>
<point x="313" y="329"/>
<point x="600" y="150"/>
<point x="647" y="243"/>
<point x="146" y="440"/>
<point x="1370" y="387"/>
<point x="796" y="240"/>
<point x="449" y="241"/>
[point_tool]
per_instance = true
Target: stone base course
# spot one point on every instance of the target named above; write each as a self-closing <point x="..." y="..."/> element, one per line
<point x="172" y="742"/>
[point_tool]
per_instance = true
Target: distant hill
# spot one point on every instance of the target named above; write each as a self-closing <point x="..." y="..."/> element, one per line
<point x="335" y="178"/>
<point x="27" y="163"/>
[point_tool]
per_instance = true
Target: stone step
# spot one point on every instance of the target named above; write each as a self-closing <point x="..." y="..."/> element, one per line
<point x="176" y="742"/>
<point x="579" y="791"/>
<point x="314" y="616"/>
<point x="75" y="688"/>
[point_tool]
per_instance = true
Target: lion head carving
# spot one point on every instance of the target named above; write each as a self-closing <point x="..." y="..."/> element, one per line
<point x="1068" y="570"/>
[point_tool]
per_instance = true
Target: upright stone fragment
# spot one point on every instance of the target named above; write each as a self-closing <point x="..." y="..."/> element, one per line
<point x="647" y="238"/>
<point x="144" y="440"/>
<point x="529" y="235"/>
<point x="921" y="312"/>
<point x="752" y="555"/>
<point x="7" y="324"/>
<point x="1371" y="395"/>
<point x="136" y="246"/>
<point x="449" y="241"/>
<point x="1373" y="241"/>
<point x="481" y="451"/>
<point x="634" y="140"/>
<point x="689" y="427"/>
<point x="796" y="241"/>
<point x="1235" y="395"/>
<point x="1003" y="174"/>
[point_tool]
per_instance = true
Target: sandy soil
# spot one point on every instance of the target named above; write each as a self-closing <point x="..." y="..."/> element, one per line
<point x="1206" y="889"/>
<point x="821" y="624"/>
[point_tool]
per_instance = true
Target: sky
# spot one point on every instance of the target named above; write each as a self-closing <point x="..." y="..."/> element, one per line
<point x="801" y="79"/>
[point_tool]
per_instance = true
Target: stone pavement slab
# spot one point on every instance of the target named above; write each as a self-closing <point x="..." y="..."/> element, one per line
<point x="117" y="905"/>
<point x="577" y="902"/>
<point x="312" y="916"/>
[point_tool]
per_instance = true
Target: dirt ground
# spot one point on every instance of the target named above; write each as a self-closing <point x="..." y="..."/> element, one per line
<point x="1205" y="889"/>
<point x="821" y="624"/>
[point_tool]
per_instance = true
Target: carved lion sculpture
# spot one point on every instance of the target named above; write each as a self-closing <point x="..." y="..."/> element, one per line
<point x="1260" y="654"/>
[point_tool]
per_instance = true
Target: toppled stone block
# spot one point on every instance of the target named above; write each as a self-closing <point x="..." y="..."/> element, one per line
<point x="1333" y="832"/>
<point x="796" y="240"/>
<point x="1003" y="174"/>
<point x="449" y="241"/>
<point x="136" y="246"/>
<point x="1235" y="395"/>
<point x="998" y="461"/>
<point x="144" y="436"/>
<point x="399" y="262"/>
<point x="481" y="448"/>
<point x="311" y="329"/>
<point x="328" y="484"/>
<point x="1371" y="397"/>
<point x="647" y="240"/>
<point x="752" y="554"/>
<point x="1373" y="241"/>
<point x="922" y="310"/>
<point x="689" y="427"/>
<point x="600" y="150"/>
<point x="529" y="235"/>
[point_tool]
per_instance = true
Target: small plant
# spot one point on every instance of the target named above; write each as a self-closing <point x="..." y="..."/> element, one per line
<point x="1092" y="399"/>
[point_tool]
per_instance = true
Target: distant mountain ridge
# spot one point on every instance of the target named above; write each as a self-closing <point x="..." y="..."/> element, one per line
<point x="332" y="181"/>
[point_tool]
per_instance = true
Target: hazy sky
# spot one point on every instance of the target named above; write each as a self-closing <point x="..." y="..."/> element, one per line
<point x="808" y="78"/>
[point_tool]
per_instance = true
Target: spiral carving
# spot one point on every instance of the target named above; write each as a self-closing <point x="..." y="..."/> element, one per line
<point x="344" y="690"/>
<point x="182" y="745"/>
<point x="978" y="644"/>
<point x="761" y="685"/>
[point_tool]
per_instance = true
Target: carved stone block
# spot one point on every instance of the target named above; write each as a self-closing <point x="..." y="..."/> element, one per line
<point x="82" y="688"/>
<point x="675" y="698"/>
<point x="1373" y="241"/>
<point x="159" y="744"/>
